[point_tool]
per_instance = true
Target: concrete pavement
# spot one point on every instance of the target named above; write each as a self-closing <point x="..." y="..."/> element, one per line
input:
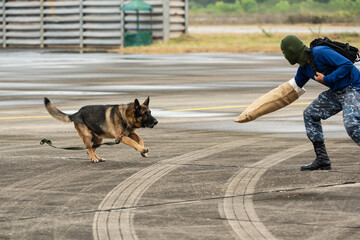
<point x="206" y="177"/>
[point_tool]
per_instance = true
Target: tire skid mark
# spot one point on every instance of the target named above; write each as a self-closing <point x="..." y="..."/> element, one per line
<point x="44" y="179"/>
<point x="112" y="221"/>
<point x="237" y="206"/>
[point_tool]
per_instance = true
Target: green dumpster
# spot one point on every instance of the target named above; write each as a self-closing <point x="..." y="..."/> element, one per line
<point x="140" y="37"/>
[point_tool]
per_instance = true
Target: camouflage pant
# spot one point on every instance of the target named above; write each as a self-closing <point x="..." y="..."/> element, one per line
<point x="330" y="103"/>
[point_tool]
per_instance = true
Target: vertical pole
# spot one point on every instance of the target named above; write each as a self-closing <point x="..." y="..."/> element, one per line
<point x="122" y="23"/>
<point x="81" y="25"/>
<point x="151" y="27"/>
<point x="166" y="20"/>
<point x="186" y="16"/>
<point x="122" y="20"/>
<point x="41" y="23"/>
<point x="137" y="21"/>
<point x="4" y="23"/>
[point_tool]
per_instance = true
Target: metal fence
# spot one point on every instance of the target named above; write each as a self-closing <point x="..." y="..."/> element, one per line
<point x="85" y="24"/>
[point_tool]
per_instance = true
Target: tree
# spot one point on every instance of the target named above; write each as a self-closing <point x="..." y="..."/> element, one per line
<point x="250" y="6"/>
<point x="283" y="6"/>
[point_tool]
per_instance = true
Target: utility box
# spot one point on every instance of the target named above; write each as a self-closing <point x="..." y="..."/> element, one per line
<point x="138" y="36"/>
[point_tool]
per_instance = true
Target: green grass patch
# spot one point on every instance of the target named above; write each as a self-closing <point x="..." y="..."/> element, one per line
<point x="232" y="43"/>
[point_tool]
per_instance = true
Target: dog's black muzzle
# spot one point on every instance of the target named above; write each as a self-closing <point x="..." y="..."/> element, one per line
<point x="152" y="123"/>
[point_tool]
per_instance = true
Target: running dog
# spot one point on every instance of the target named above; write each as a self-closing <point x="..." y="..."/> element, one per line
<point x="96" y="122"/>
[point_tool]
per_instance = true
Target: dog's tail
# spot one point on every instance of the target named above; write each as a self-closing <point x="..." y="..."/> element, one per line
<point x="56" y="113"/>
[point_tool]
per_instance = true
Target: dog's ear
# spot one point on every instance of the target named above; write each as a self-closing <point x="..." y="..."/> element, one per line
<point x="136" y="105"/>
<point x="147" y="101"/>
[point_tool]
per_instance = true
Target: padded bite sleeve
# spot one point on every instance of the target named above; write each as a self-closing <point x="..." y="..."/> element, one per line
<point x="277" y="98"/>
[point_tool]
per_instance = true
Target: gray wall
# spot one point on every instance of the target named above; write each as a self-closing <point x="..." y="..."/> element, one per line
<point x="85" y="24"/>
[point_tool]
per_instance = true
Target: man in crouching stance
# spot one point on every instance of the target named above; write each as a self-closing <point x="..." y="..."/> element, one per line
<point x="342" y="78"/>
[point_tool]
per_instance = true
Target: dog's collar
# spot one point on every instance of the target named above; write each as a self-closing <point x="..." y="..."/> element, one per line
<point x="125" y="126"/>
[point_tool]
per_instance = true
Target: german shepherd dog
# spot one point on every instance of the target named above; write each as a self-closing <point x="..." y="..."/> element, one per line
<point x="96" y="122"/>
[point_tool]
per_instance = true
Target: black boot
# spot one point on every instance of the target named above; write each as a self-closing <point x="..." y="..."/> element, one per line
<point x="322" y="161"/>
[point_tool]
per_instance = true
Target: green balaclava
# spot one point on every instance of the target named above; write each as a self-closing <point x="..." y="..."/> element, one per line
<point x="294" y="50"/>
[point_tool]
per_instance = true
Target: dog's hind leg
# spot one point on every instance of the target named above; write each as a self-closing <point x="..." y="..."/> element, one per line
<point x="85" y="134"/>
<point x="97" y="141"/>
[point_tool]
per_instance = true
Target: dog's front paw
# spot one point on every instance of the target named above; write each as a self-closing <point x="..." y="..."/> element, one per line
<point x="144" y="152"/>
<point x="118" y="140"/>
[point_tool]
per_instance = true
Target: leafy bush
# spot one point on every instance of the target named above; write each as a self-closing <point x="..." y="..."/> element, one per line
<point x="283" y="6"/>
<point x="261" y="6"/>
<point x="249" y="6"/>
<point x="295" y="11"/>
<point x="225" y="7"/>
